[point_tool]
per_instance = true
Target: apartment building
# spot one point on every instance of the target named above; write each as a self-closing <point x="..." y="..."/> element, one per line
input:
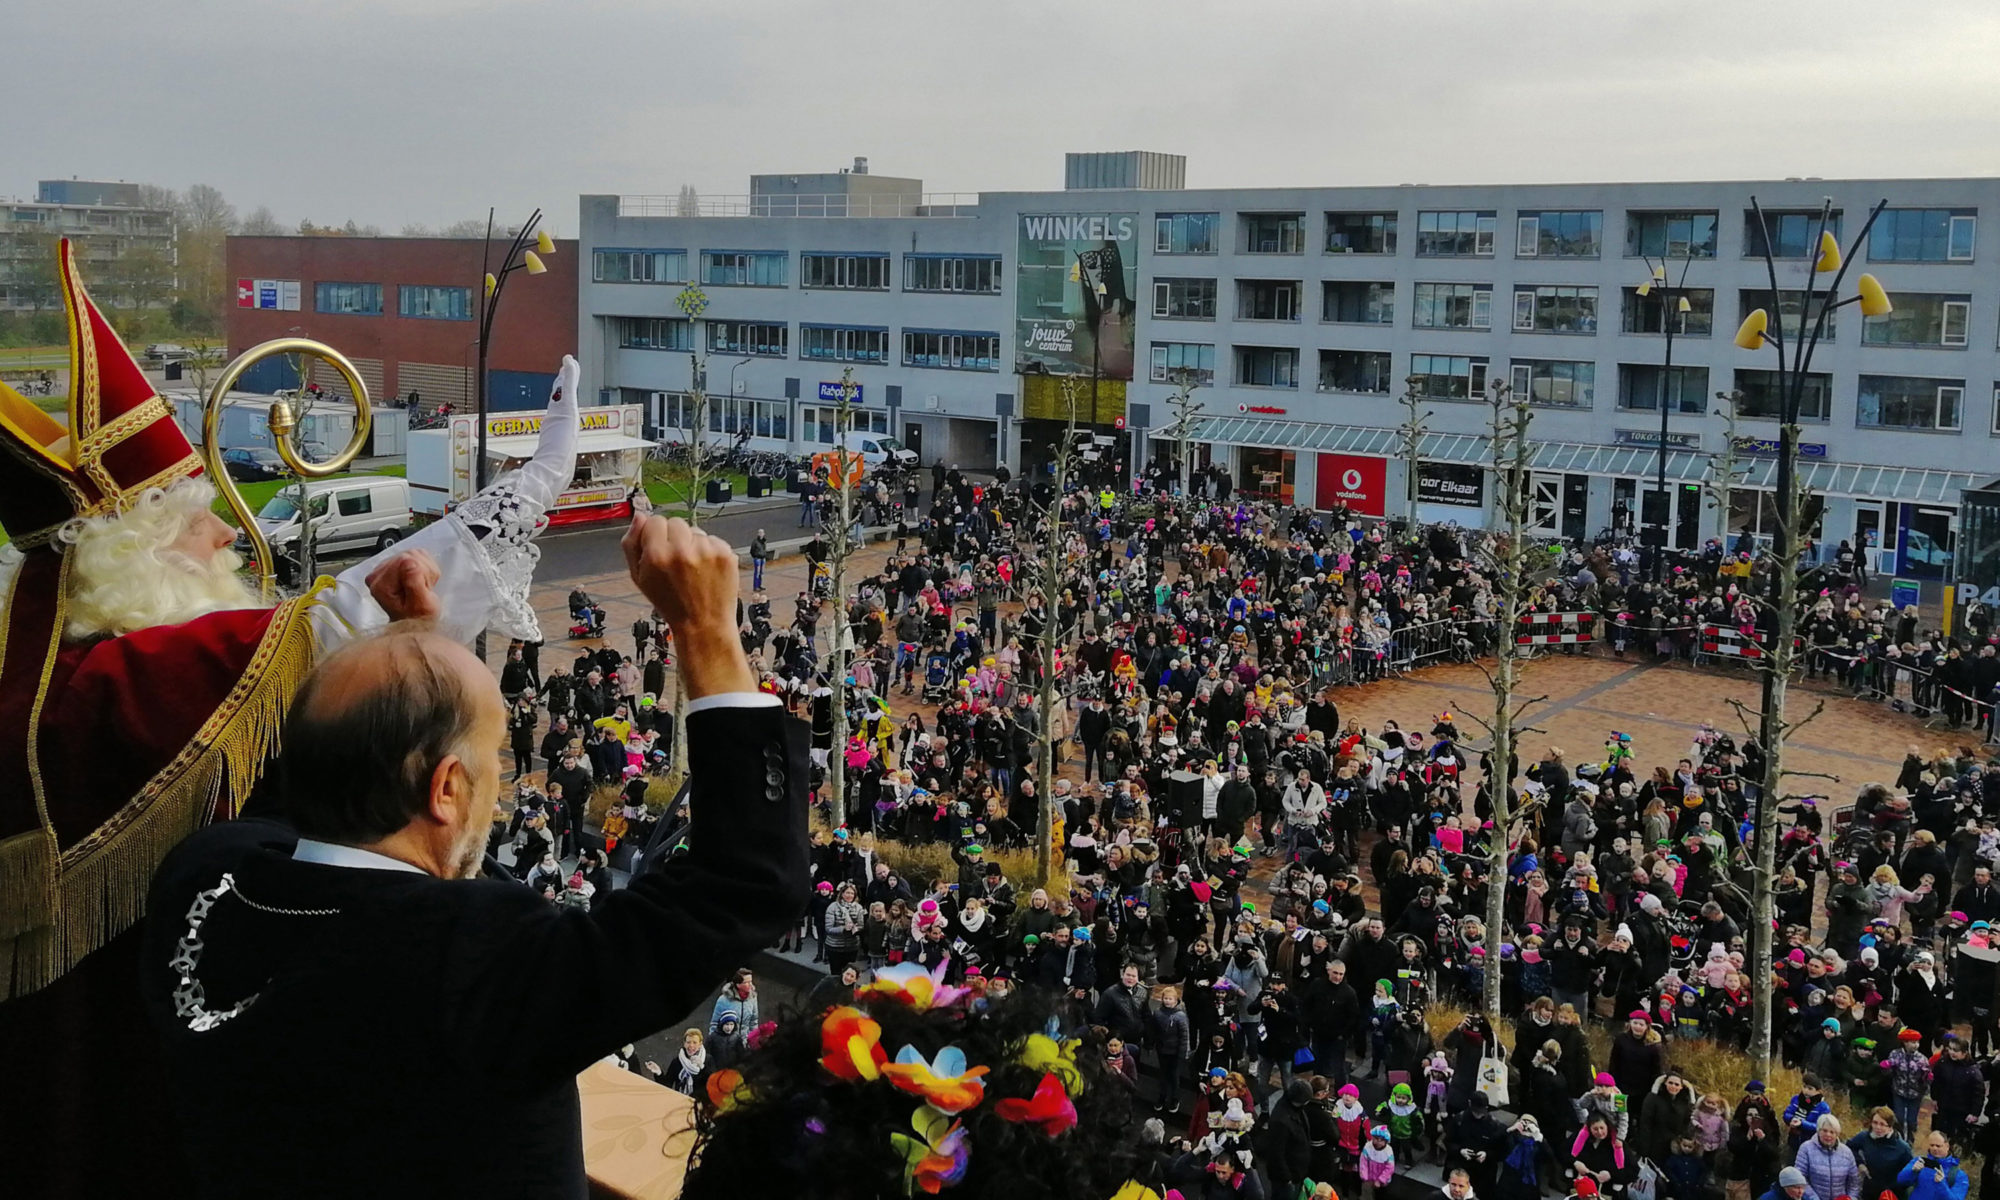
<point x="1302" y="312"/>
<point x="126" y="249"/>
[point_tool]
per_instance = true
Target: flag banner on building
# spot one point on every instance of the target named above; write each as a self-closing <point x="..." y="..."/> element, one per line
<point x="1075" y="312"/>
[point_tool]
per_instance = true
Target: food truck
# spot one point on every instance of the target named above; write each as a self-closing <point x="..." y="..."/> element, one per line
<point x="609" y="457"/>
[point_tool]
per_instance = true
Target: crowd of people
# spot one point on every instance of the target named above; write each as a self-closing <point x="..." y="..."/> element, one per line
<point x="1265" y="900"/>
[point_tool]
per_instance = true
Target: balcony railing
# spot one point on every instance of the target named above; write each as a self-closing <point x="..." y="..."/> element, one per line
<point x="830" y="204"/>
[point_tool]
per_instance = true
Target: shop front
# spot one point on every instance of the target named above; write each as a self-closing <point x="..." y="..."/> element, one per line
<point x="1264" y="474"/>
<point x="610" y="456"/>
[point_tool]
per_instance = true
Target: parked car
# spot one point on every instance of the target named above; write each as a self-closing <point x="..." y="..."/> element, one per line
<point x="877" y="449"/>
<point x="166" y="352"/>
<point x="362" y="514"/>
<point x="254" y="464"/>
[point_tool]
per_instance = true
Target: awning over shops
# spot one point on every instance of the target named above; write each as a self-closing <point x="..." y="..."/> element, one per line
<point x="1923" y="484"/>
<point x="588" y="442"/>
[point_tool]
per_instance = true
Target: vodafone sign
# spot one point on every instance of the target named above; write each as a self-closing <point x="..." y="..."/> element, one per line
<point x="1354" y="480"/>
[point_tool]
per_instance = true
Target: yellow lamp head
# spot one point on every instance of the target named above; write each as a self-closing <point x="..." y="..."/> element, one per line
<point x="1829" y="252"/>
<point x="1660" y="272"/>
<point x="544" y="244"/>
<point x="1685" y="306"/>
<point x="491" y="283"/>
<point x="1874" y="301"/>
<point x="533" y="262"/>
<point x="1750" y="335"/>
<point x="1644" y="289"/>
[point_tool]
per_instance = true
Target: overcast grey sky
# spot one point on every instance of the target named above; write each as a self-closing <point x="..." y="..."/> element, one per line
<point x="394" y="111"/>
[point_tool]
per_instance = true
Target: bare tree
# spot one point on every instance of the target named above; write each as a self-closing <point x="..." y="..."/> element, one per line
<point x="1726" y="467"/>
<point x="471" y="227"/>
<point x="1412" y="431"/>
<point x="1186" y="410"/>
<point x="1506" y="562"/>
<point x="262" y="223"/>
<point x="1047" y="574"/>
<point x="840" y="631"/>
<point x="688" y="203"/>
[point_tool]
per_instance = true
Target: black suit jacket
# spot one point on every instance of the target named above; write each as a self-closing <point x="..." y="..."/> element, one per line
<point x="412" y="1036"/>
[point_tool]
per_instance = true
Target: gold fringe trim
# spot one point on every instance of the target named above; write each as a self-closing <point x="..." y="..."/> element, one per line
<point x="27" y="882"/>
<point x="101" y="882"/>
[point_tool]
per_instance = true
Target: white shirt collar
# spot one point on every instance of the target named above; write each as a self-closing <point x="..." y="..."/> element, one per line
<point x="332" y="854"/>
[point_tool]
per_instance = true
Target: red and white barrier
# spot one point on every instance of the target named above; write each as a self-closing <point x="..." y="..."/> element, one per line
<point x="1729" y="642"/>
<point x="1556" y="629"/>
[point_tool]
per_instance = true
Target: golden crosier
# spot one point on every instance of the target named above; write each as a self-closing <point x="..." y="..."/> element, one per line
<point x="282" y="421"/>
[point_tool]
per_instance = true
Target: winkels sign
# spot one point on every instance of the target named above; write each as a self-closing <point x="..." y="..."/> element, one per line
<point x="1075" y="312"/>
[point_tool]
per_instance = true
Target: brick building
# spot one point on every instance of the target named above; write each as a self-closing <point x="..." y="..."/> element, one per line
<point x="406" y="311"/>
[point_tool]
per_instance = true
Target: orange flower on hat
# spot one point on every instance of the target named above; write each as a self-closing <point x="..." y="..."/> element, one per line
<point x="946" y="1082"/>
<point x="851" y="1045"/>
<point x="726" y="1089"/>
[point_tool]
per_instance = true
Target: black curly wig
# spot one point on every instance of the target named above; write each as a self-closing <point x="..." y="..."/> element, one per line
<point x="800" y="1132"/>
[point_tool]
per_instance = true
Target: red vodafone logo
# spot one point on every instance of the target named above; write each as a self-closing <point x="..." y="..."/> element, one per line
<point x="1353" y="480"/>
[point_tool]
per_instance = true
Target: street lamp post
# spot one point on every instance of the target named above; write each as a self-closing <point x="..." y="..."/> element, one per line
<point x="519" y="257"/>
<point x="1761" y="328"/>
<point x="1674" y="307"/>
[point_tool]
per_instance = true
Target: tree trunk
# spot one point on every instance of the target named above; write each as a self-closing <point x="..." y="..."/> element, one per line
<point x="1771" y="730"/>
<point x="1511" y="451"/>
<point x="841" y="636"/>
<point x="1049" y="573"/>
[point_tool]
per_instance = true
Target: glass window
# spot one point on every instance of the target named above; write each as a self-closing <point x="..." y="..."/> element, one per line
<point x="1189" y="299"/>
<point x="951" y="349"/>
<point x="1670" y="234"/>
<point x="844" y="343"/>
<point x="1923" y="235"/>
<point x="1791" y="305"/>
<point x="1185" y="233"/>
<point x="1453" y="306"/>
<point x="434" y="303"/>
<point x="1358" y="302"/>
<point x="1555" y="309"/>
<point x="354" y="299"/>
<point x="1267" y="366"/>
<point x="974" y="273"/>
<point x="1449" y="376"/>
<point x="1361" y="233"/>
<point x="1354" y="371"/>
<point x="1920" y="319"/>
<point x="1642" y="385"/>
<point x="1455" y="234"/>
<point x="1553" y="234"/>
<point x="1267" y="299"/>
<point x="1791" y="232"/>
<point x="1171" y="358"/>
<point x="860" y="272"/>
<point x="638" y="266"/>
<point x="1558" y="383"/>
<point x="749" y="337"/>
<point x="354" y="504"/>
<point x="1647" y="313"/>
<point x="654" y="333"/>
<point x="1274" y="233"/>
<point x="1909" y="402"/>
<point x="744" y="268"/>
<point x="1758" y="396"/>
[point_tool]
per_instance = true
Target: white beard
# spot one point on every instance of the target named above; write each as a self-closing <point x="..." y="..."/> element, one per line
<point x="125" y="575"/>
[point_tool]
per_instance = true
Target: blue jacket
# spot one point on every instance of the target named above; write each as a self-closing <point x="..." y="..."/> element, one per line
<point x="1954" y="1187"/>
<point x="1829" y="1171"/>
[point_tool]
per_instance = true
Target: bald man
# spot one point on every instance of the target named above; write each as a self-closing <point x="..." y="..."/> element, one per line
<point x="348" y="1008"/>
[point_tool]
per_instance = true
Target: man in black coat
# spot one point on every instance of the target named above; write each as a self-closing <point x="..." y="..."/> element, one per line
<point x="347" y="1009"/>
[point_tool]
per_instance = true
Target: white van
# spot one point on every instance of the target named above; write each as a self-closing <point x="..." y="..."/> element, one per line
<point x="878" y="448"/>
<point x="358" y="515"/>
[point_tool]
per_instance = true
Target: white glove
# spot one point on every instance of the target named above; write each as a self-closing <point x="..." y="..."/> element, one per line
<point x="544" y="476"/>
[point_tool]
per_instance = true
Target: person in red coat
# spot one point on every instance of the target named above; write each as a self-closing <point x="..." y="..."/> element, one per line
<point x="143" y="685"/>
